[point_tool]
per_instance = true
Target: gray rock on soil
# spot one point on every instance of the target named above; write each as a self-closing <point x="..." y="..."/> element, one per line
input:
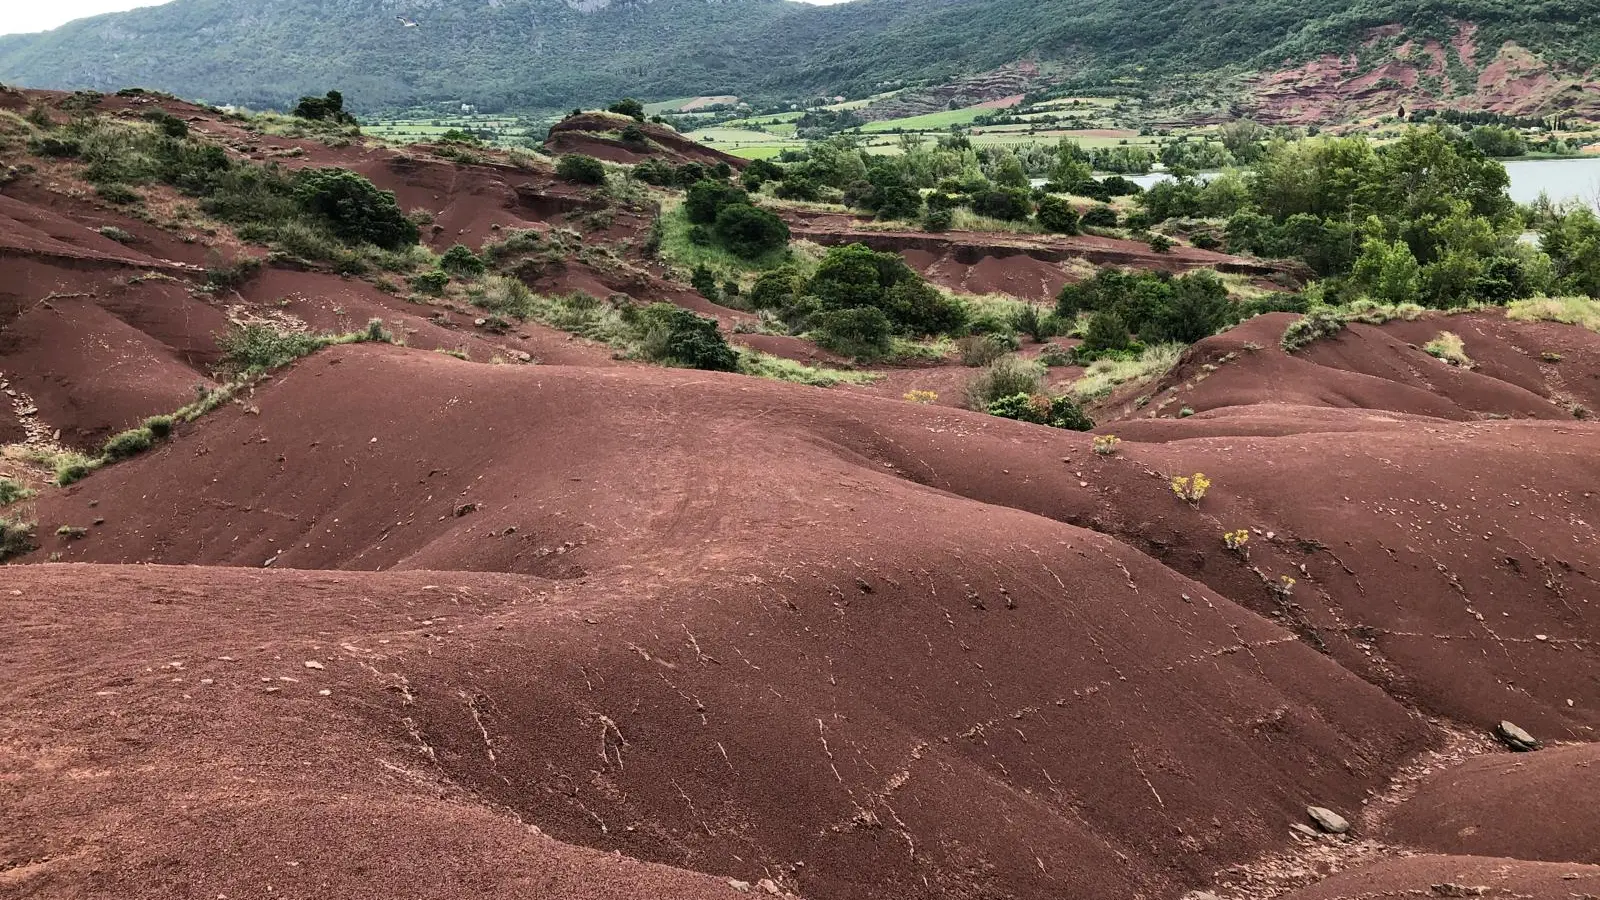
<point x="1328" y="820"/>
<point x="1515" y="737"/>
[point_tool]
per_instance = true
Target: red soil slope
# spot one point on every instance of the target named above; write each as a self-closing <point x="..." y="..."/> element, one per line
<point x="597" y="135"/>
<point x="1371" y="367"/>
<point x="428" y="627"/>
<point x="1528" y="806"/>
<point x="949" y="651"/>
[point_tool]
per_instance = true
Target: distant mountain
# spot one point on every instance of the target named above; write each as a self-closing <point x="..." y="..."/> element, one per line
<point x="545" y="54"/>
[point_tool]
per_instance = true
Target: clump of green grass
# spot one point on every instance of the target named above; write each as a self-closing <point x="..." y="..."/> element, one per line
<point x="1004" y="377"/>
<point x="1105" y="375"/>
<point x="764" y="365"/>
<point x="253" y="349"/>
<point x="13" y="491"/>
<point x="963" y="219"/>
<point x="72" y="532"/>
<point x="1583" y="311"/>
<point x="16" y="538"/>
<point x="1449" y="347"/>
<point x="1309" y="328"/>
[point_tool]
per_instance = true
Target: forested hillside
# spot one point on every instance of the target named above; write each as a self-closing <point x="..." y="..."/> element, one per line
<point x="543" y="54"/>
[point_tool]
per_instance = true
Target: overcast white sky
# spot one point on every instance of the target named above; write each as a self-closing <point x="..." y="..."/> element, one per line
<point x="23" y="16"/>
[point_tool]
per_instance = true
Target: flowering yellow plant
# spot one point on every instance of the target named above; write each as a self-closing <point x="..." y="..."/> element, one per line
<point x="1191" y="487"/>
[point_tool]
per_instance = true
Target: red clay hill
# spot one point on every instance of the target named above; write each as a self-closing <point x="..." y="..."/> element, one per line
<point x="544" y="623"/>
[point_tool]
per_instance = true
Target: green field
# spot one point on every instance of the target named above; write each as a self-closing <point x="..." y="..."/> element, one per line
<point x="857" y="104"/>
<point x="761" y="121"/>
<point x="930" y="121"/>
<point x="506" y="129"/>
<point x="662" y="106"/>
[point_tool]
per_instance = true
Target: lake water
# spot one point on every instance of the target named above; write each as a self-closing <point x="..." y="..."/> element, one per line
<point x="1562" y="179"/>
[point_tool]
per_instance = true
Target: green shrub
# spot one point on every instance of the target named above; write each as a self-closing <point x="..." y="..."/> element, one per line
<point x="655" y="171"/>
<point x="1005" y="204"/>
<point x="160" y="427"/>
<point x="431" y="283"/>
<point x="170" y="125"/>
<point x="129" y="444"/>
<point x="355" y="209"/>
<point x="1040" y="409"/>
<point x="750" y="232"/>
<point x="1107" y="331"/>
<point x="580" y="169"/>
<point x="1055" y="356"/>
<point x="16" y="538"/>
<point x="1057" y="215"/>
<point x="462" y="262"/>
<point x="1005" y="377"/>
<point x="776" y="288"/>
<point x="704" y="280"/>
<point x="258" y="348"/>
<point x="979" y="350"/>
<point x="861" y="332"/>
<point x="675" y="336"/>
<point x="12" y="491"/>
<point x="114" y="233"/>
<point x="706" y="199"/>
<point x="628" y="106"/>
<point x="232" y="274"/>
<point x="1101" y="216"/>
<point x="329" y="108"/>
<point x="937" y="220"/>
<point x="1309" y="328"/>
<point x="1160" y="243"/>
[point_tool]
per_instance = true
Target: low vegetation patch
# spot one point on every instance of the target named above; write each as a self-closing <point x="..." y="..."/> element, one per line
<point x="1041" y="409"/>
<point x="253" y="349"/>
<point x="16" y="538"/>
<point x="13" y="491"/>
<point x="1583" y="311"/>
<point x="1106" y="374"/>
<point x="1310" y="328"/>
<point x="1449" y="347"/>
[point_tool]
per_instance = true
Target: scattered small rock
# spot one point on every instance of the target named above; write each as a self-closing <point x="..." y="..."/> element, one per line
<point x="1449" y="889"/>
<point x="742" y="887"/>
<point x="1328" y="820"/>
<point x="1515" y="738"/>
<point x="313" y="664"/>
<point x="1305" y="829"/>
<point x="770" y="886"/>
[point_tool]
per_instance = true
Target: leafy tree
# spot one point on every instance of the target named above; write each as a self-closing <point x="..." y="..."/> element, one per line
<point x="581" y="169"/>
<point x="324" y="109"/>
<point x="1100" y="217"/>
<point x="1572" y="240"/>
<point x="679" y="337"/>
<point x="750" y="232"/>
<point x="1009" y="173"/>
<point x="1107" y="331"/>
<point x="655" y="171"/>
<point x="861" y="332"/>
<point x="1498" y="141"/>
<point x="706" y="199"/>
<point x="704" y="280"/>
<point x="1198" y="307"/>
<point x="628" y="107"/>
<point x="1057" y="215"/>
<point x="918" y="308"/>
<point x="354" y="208"/>
<point x="462" y="262"/>
<point x="1387" y="272"/>
<point x="776" y="288"/>
<point x="1244" y="139"/>
<point x="1009" y="204"/>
